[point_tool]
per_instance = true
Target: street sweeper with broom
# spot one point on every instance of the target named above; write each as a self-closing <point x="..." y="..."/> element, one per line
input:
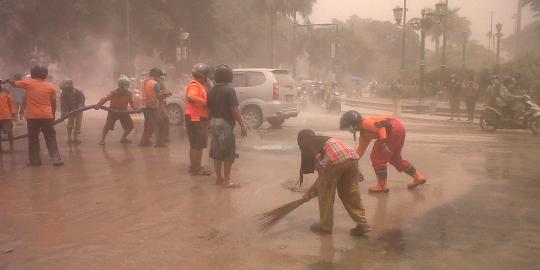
<point x="337" y="168"/>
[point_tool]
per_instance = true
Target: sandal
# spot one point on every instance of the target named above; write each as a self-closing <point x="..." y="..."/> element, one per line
<point x="230" y="185"/>
<point x="201" y="172"/>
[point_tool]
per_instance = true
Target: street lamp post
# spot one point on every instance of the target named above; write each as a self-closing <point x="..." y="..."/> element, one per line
<point x="400" y="14"/>
<point x="182" y="52"/>
<point x="429" y="18"/>
<point x="128" y="38"/>
<point x="499" y="35"/>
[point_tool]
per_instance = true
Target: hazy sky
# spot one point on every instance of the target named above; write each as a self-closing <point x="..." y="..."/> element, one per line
<point x="476" y="10"/>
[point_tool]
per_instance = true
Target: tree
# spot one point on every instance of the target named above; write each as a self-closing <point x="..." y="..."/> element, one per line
<point x="529" y="39"/>
<point x="63" y="26"/>
<point x="534" y="4"/>
<point x="286" y="8"/>
<point x="456" y="26"/>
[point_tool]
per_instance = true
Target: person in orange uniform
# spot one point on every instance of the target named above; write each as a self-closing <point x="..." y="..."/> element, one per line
<point x="197" y="117"/>
<point x="119" y="98"/>
<point x="8" y="111"/>
<point x="389" y="134"/>
<point x="151" y="102"/>
<point x="40" y="114"/>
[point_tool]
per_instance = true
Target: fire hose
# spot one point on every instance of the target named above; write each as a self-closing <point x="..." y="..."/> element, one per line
<point x="68" y="115"/>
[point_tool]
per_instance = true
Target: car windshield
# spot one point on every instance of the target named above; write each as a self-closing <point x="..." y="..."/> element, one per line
<point x="283" y="77"/>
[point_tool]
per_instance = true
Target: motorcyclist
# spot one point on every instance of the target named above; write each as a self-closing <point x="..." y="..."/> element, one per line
<point x="505" y="99"/>
<point x="332" y="88"/>
<point x="515" y="97"/>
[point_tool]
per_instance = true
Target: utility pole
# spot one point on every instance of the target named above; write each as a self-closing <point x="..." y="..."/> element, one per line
<point x="518" y="27"/>
<point x="128" y="38"/>
<point x="293" y="51"/>
<point x="499" y="36"/>
<point x="404" y="39"/>
<point x="273" y="18"/>
<point x="490" y="36"/>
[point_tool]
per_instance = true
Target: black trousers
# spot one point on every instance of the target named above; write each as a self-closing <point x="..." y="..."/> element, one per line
<point x="471" y="106"/>
<point x="151" y="126"/>
<point x="35" y="126"/>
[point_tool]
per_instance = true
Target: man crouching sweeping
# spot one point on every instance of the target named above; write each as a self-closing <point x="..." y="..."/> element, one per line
<point x="337" y="166"/>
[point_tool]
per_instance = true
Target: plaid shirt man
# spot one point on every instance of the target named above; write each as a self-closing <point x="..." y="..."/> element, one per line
<point x="335" y="152"/>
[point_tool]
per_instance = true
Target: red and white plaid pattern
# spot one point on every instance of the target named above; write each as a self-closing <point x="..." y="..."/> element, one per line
<point x="336" y="152"/>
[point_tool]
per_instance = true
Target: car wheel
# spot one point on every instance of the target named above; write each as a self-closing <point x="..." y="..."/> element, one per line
<point x="484" y="123"/>
<point x="175" y="114"/>
<point x="252" y="117"/>
<point x="276" y="122"/>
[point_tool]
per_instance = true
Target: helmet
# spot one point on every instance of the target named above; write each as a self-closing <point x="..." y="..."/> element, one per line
<point x="156" y="72"/>
<point x="350" y="119"/>
<point x="66" y="84"/>
<point x="39" y="72"/>
<point x="123" y="81"/>
<point x="200" y="71"/>
<point x="304" y="133"/>
<point x="223" y="74"/>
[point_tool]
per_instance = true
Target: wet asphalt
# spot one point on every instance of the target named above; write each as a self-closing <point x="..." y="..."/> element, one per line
<point x="125" y="207"/>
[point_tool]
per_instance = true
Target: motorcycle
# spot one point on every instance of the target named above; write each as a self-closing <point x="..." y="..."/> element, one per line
<point x="494" y="118"/>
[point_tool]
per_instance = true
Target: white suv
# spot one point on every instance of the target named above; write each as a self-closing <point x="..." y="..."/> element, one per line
<point x="264" y="94"/>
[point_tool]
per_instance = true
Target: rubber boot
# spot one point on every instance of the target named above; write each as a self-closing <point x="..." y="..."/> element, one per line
<point x="419" y="179"/>
<point x="381" y="186"/>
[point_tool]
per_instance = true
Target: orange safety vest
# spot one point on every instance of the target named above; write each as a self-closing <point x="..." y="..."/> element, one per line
<point x="197" y="110"/>
<point x="149" y="97"/>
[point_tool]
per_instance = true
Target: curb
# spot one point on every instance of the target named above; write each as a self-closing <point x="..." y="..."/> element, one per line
<point x="406" y="108"/>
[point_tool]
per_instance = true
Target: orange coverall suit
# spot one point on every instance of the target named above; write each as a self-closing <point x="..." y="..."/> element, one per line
<point x="389" y="129"/>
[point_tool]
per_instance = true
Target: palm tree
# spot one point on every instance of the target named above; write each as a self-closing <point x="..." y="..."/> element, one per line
<point x="456" y="26"/>
<point x="287" y="8"/>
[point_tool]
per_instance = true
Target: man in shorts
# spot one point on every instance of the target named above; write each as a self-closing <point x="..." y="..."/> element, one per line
<point x="197" y="117"/>
<point x="119" y="98"/>
<point x="224" y="114"/>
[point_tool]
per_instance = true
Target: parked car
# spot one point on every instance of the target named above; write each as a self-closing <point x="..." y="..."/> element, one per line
<point x="176" y="106"/>
<point x="264" y="95"/>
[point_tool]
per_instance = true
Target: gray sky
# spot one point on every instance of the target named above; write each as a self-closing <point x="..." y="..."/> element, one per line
<point x="476" y="10"/>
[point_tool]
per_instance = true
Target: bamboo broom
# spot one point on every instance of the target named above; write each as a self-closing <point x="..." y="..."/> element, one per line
<point x="268" y="219"/>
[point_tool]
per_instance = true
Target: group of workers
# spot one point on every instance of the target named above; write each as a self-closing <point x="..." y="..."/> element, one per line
<point x="213" y="106"/>
<point x="209" y="106"/>
<point x="337" y="166"/>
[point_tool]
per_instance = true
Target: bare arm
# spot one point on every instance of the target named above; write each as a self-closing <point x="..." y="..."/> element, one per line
<point x="103" y="101"/>
<point x="238" y="118"/>
<point x="312" y="191"/>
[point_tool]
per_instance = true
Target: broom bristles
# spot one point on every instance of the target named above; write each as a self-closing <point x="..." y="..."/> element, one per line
<point x="269" y="219"/>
